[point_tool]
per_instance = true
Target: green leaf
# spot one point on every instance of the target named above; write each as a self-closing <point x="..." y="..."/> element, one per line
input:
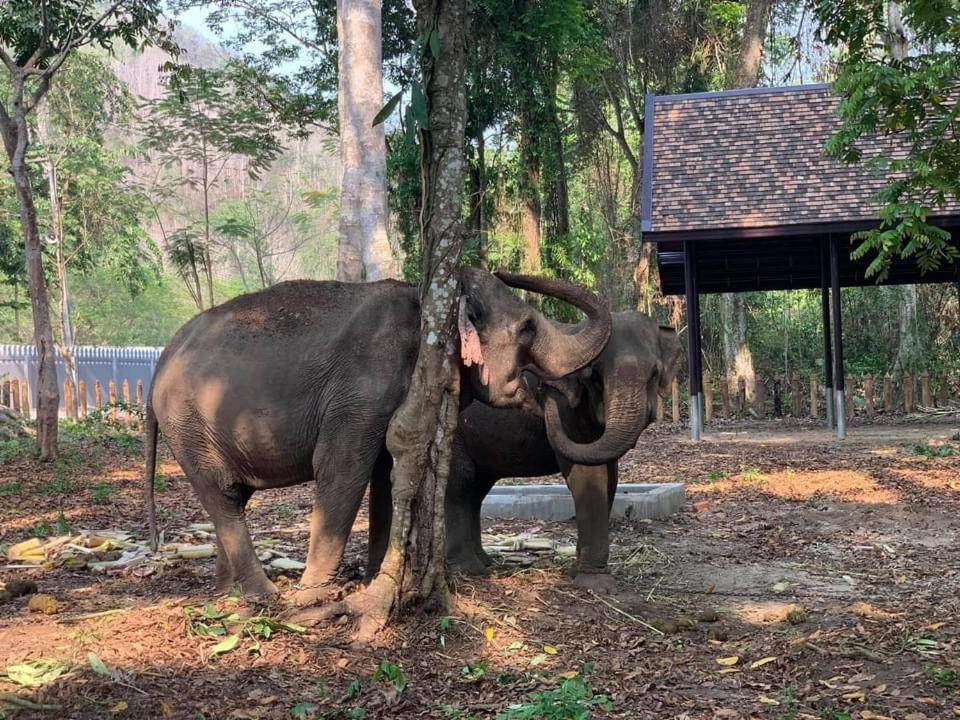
<point x="418" y="104"/>
<point x="96" y="664"/>
<point x="225" y="646"/>
<point x="387" y="110"/>
<point x="302" y="710"/>
<point x="435" y="44"/>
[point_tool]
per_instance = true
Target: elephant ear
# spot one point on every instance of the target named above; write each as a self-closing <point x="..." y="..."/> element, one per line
<point x="471" y="351"/>
<point x="668" y="361"/>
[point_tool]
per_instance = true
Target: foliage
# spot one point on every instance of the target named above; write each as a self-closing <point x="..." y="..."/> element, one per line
<point x="573" y="700"/>
<point x="892" y="102"/>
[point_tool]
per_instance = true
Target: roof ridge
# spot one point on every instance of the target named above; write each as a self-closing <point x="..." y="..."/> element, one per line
<point x="712" y="94"/>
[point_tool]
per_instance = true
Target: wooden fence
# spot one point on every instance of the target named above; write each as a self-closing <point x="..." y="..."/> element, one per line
<point x="97" y="369"/>
<point x="122" y="407"/>
<point x="867" y="396"/>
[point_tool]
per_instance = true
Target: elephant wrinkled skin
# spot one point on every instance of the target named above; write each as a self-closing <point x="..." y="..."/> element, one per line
<point x="299" y="381"/>
<point x="591" y="419"/>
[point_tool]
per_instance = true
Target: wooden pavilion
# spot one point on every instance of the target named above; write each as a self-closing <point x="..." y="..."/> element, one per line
<point x="739" y="195"/>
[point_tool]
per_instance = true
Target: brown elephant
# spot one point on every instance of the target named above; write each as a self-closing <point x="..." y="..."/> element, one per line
<point x="298" y="382"/>
<point x="590" y="419"/>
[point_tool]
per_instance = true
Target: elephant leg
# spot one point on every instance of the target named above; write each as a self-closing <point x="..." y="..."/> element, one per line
<point x="343" y="469"/>
<point x="589" y="487"/>
<point x="237" y="562"/>
<point x="381" y="514"/>
<point x="482" y="487"/>
<point x="461" y="546"/>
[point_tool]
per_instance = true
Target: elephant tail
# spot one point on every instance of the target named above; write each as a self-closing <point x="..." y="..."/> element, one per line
<point x="149" y="473"/>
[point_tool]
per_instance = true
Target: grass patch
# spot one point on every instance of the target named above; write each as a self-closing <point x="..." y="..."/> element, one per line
<point x="945" y="677"/>
<point x="17" y="448"/>
<point x="45" y="529"/>
<point x="752" y="474"/>
<point x="573" y="700"/>
<point x="102" y="492"/>
<point x="160" y="483"/>
<point x="933" y="451"/>
<point x="10" y="488"/>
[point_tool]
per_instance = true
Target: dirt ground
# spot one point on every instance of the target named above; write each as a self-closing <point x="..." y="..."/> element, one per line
<point x="805" y="578"/>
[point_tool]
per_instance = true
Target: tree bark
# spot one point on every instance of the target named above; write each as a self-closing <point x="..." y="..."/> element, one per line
<point x="747" y="71"/>
<point x="364" y="251"/>
<point x="420" y="434"/>
<point x="531" y="209"/>
<point x="737" y="358"/>
<point x="909" y="349"/>
<point x="66" y="326"/>
<point x="16" y="140"/>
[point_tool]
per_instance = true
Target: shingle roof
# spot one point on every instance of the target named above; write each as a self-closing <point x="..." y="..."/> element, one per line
<point x="751" y="159"/>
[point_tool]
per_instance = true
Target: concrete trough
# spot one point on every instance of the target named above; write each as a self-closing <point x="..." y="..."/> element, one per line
<point x="652" y="501"/>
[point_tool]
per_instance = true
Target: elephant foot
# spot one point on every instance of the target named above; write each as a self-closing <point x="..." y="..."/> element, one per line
<point x="599" y="582"/>
<point x="468" y="564"/>
<point x="312" y="595"/>
<point x="254" y="588"/>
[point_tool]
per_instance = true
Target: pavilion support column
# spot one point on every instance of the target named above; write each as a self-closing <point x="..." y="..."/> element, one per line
<point x="839" y="406"/>
<point x="827" y="354"/>
<point x="694" y="365"/>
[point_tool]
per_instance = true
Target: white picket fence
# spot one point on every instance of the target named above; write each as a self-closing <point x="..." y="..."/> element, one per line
<point x="95" y="366"/>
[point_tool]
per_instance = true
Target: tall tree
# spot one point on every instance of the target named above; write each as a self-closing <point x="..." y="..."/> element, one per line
<point x="364" y="252"/>
<point x="420" y="434"/>
<point x="36" y="38"/>
<point x="887" y="92"/>
<point x="738" y="360"/>
<point x="204" y="122"/>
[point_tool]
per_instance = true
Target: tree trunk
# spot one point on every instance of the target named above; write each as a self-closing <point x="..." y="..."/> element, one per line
<point x="737" y="358"/>
<point x="66" y="327"/>
<point x="559" y="190"/>
<point x="16" y="139"/>
<point x="420" y="435"/>
<point x="364" y="251"/>
<point x="747" y="71"/>
<point x="908" y="346"/>
<point x="531" y="209"/>
<point x="896" y="32"/>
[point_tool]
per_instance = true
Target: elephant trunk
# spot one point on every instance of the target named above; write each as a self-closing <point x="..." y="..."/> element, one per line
<point x="555" y="351"/>
<point x="625" y="416"/>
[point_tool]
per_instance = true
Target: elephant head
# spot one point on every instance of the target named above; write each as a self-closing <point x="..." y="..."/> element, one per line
<point x="618" y="391"/>
<point x="500" y="335"/>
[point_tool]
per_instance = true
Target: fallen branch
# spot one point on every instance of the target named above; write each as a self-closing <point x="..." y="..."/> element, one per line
<point x="25" y="704"/>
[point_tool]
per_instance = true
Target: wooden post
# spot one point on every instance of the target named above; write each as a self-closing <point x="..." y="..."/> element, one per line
<point x="675" y="398"/>
<point x="97" y="395"/>
<point x="814" y="400"/>
<point x="82" y="396"/>
<point x="907" y="393"/>
<point x="741" y="396"/>
<point x="112" y="394"/>
<point x="25" y="397"/>
<point x="708" y="396"/>
<point x="68" y="398"/>
<point x="795" y="399"/>
<point x="926" y="396"/>
<point x="759" y="397"/>
<point x="14" y="395"/>
<point x="140" y="393"/>
<point x="848" y="389"/>
<point x="868" y="395"/>
<point x="127" y="415"/>
<point x="888" y="394"/>
<point x="943" y="392"/>
<point x="725" y="398"/>
<point x="5" y="393"/>
<point x="659" y="409"/>
<point x="777" y="397"/>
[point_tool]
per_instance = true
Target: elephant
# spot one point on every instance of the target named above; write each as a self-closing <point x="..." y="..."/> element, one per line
<point x="580" y="426"/>
<point x="298" y="382"/>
